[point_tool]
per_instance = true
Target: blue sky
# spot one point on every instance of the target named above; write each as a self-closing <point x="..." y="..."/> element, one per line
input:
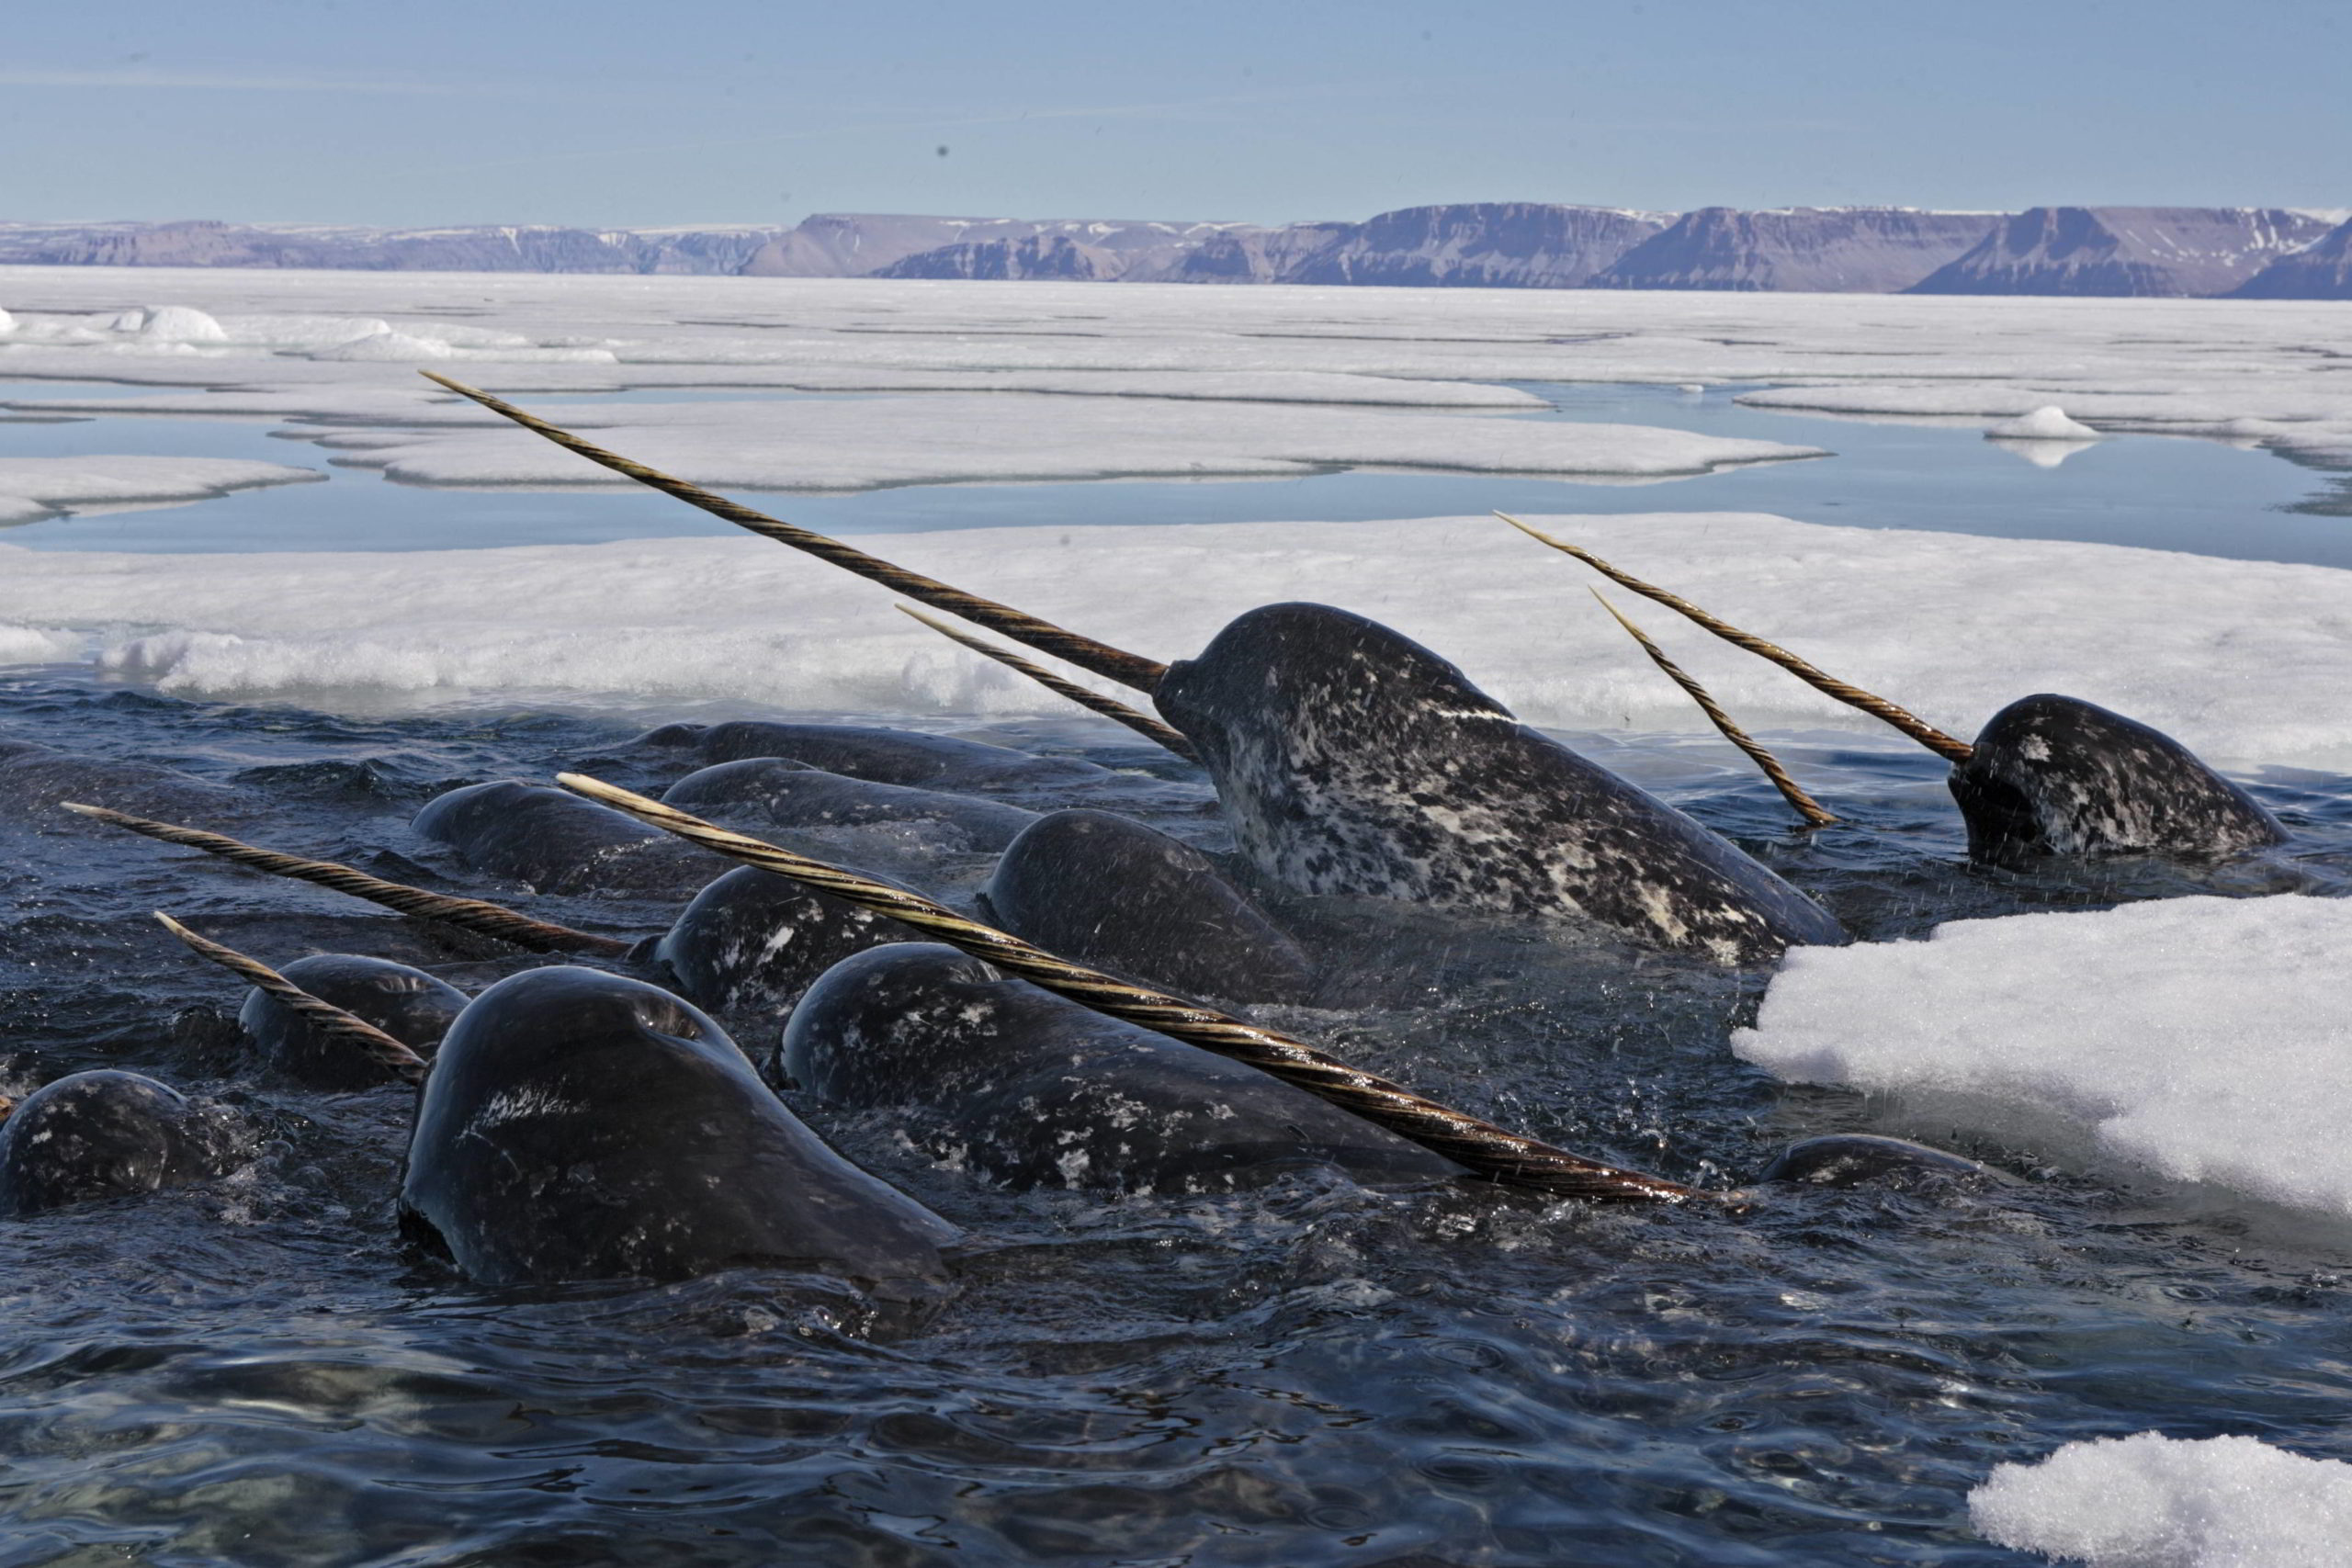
<point x="686" y="111"/>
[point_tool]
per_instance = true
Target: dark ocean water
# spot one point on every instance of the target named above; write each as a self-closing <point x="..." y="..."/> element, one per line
<point x="255" y="1370"/>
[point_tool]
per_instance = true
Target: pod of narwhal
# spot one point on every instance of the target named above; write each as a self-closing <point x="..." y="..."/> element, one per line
<point x="562" y="1125"/>
<point x="1349" y="760"/>
<point x="1346" y="759"/>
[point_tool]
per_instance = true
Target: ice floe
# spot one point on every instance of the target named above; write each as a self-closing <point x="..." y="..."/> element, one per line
<point x="2048" y="422"/>
<point x="34" y="487"/>
<point x="2149" y="1501"/>
<point x="864" y="443"/>
<point x="2243" y="660"/>
<point x="2274" y="373"/>
<point x="2216" y="1045"/>
<point x="389" y="347"/>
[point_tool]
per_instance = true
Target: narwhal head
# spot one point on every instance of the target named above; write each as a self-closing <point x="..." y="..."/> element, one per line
<point x="2056" y="775"/>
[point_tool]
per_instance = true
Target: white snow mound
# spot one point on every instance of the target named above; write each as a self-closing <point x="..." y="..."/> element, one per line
<point x="387" y="347"/>
<point x="177" y="324"/>
<point x="2048" y="422"/>
<point x="2204" y="1039"/>
<point x="2150" y="1501"/>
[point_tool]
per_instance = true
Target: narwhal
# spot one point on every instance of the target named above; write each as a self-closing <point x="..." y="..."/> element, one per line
<point x="574" y="1124"/>
<point x="1352" y="761"/>
<point x="2048" y="775"/>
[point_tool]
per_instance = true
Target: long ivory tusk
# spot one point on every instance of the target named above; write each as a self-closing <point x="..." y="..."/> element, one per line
<point x="394" y="1056"/>
<point x="1128" y="669"/>
<point x="1480" y="1145"/>
<point x="1878" y="708"/>
<point x="1142" y="723"/>
<point x="472" y="914"/>
<point x="1815" y="814"/>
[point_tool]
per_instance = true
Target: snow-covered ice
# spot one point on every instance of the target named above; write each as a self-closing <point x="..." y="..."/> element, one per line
<point x="2216" y="1047"/>
<point x="2149" y="1501"/>
<point x="2273" y="373"/>
<point x="864" y="443"/>
<point x="389" y="347"/>
<point x="1953" y="626"/>
<point x="34" y="487"/>
<point x="2048" y="422"/>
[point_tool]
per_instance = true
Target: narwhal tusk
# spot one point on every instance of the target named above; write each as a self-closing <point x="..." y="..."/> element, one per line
<point x="1480" y="1145"/>
<point x="394" y="1056"/>
<point x="1128" y="669"/>
<point x="1878" y="708"/>
<point x="1815" y="814"/>
<point x="1142" y="723"/>
<point x="472" y="914"/>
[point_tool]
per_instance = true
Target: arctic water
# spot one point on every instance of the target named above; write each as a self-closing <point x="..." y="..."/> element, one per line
<point x="255" y="1370"/>
<point x="2163" y="492"/>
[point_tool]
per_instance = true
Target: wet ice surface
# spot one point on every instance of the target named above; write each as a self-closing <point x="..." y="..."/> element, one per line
<point x="255" y="1369"/>
<point x="2213" y="1049"/>
<point x="2149" y="1501"/>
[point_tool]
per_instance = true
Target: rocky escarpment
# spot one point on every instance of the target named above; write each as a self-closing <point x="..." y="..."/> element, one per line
<point x="1245" y="254"/>
<point x="2319" y="271"/>
<point x="1822" y="250"/>
<point x="1486" y="244"/>
<point x="1081" y="251"/>
<point x="2250" y="253"/>
<point x="2165" y="251"/>
<point x="518" y="248"/>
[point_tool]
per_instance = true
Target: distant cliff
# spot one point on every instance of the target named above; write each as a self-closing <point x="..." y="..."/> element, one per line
<point x="1486" y="244"/>
<point x="528" y="248"/>
<point x="2319" y="271"/>
<point x="1813" y="250"/>
<point x="2249" y="252"/>
<point x="2172" y="252"/>
<point x="1080" y="250"/>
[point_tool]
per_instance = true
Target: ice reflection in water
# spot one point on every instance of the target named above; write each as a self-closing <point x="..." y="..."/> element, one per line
<point x="255" y="1371"/>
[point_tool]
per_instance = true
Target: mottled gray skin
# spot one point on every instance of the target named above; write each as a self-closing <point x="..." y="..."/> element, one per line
<point x="577" y="1125"/>
<point x="774" y="792"/>
<point x="753" y="941"/>
<point x="2056" y="775"/>
<point x="889" y="756"/>
<point x="101" y="1134"/>
<point x="1035" y="1091"/>
<point x="35" y="779"/>
<point x="1351" y="760"/>
<point x="410" y="1005"/>
<point x="1849" y="1160"/>
<point x="1109" y="892"/>
<point x="553" y="841"/>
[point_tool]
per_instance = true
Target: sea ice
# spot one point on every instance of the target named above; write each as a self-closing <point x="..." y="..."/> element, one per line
<point x="2149" y="1501"/>
<point x="2262" y="371"/>
<point x="35" y="487"/>
<point x="388" y="347"/>
<point x="2048" y="422"/>
<point x="344" y="398"/>
<point x="173" y="323"/>
<point x="864" y="443"/>
<point x="1951" y="626"/>
<point x="2216" y="1045"/>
